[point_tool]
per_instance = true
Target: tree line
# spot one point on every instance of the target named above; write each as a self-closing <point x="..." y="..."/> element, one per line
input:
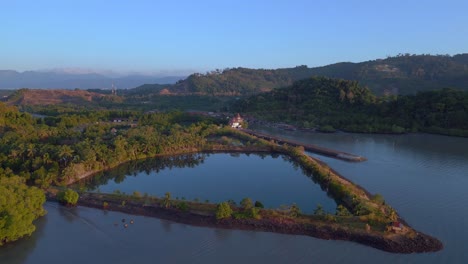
<point x="346" y="105"/>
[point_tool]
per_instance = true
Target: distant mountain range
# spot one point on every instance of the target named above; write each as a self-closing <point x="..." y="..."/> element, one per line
<point x="402" y="74"/>
<point x="10" y="79"/>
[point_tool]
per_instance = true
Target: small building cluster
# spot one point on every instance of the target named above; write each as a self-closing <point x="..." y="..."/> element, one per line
<point x="236" y="121"/>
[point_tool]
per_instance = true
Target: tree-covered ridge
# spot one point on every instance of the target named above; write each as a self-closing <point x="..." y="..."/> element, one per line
<point x="401" y="74"/>
<point x="234" y="82"/>
<point x="346" y="105"/>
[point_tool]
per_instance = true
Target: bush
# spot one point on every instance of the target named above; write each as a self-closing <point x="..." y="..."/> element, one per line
<point x="330" y="218"/>
<point x="246" y="204"/>
<point x="294" y="210"/>
<point x="319" y="210"/>
<point x="223" y="211"/>
<point x="342" y="211"/>
<point x="378" y="198"/>
<point x="254" y="213"/>
<point x="68" y="197"/>
<point x="183" y="206"/>
<point x="258" y="204"/>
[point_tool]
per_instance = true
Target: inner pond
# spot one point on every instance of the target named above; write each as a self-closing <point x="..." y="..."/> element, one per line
<point x="273" y="180"/>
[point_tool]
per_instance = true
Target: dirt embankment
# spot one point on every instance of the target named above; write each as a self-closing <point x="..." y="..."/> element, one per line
<point x="391" y="243"/>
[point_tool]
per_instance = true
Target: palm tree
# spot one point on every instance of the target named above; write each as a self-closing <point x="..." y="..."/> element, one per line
<point x="167" y="200"/>
<point x="65" y="152"/>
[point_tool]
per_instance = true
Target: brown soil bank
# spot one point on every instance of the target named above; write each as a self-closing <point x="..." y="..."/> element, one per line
<point x="394" y="243"/>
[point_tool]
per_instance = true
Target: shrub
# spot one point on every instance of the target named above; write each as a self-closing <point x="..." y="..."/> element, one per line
<point x="378" y="198"/>
<point x="223" y="211"/>
<point x="68" y="197"/>
<point x="254" y="213"/>
<point x="330" y="218"/>
<point x="182" y="206"/>
<point x="342" y="211"/>
<point x="319" y="210"/>
<point x="258" y="204"/>
<point x="246" y="203"/>
<point x="294" y="210"/>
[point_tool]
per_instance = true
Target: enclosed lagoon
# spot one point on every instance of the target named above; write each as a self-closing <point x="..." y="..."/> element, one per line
<point x="273" y="180"/>
<point x="424" y="177"/>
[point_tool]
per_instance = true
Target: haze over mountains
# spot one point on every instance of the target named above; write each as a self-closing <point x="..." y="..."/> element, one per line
<point x="10" y="79"/>
<point x="401" y="74"/>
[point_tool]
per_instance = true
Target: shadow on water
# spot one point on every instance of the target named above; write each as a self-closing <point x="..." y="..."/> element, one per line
<point x="69" y="214"/>
<point x="153" y="165"/>
<point x="167" y="226"/>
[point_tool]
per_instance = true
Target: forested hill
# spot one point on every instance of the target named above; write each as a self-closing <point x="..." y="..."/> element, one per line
<point x="232" y="82"/>
<point x="331" y="103"/>
<point x="402" y="74"/>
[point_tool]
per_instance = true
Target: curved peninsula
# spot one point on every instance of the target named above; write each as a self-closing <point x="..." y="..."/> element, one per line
<point x="360" y="217"/>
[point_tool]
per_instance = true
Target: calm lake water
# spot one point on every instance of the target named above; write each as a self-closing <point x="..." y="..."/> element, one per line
<point x="273" y="180"/>
<point x="424" y="177"/>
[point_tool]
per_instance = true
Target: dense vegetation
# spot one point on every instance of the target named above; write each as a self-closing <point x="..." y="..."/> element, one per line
<point x="403" y="74"/>
<point x="67" y="143"/>
<point x="230" y="82"/>
<point x="20" y="205"/>
<point x="55" y="149"/>
<point x="346" y="105"/>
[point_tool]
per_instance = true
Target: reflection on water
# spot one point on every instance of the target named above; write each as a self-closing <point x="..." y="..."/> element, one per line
<point x="423" y="176"/>
<point x="138" y="167"/>
<point x="272" y="179"/>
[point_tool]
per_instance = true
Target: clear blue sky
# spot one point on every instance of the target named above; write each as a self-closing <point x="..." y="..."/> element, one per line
<point x="199" y="35"/>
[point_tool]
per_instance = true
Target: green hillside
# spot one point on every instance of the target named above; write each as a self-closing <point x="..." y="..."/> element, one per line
<point x="234" y="82"/>
<point x="332" y="103"/>
<point x="402" y="74"/>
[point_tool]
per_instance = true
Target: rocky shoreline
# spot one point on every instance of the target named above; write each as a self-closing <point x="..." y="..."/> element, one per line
<point x="393" y="243"/>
